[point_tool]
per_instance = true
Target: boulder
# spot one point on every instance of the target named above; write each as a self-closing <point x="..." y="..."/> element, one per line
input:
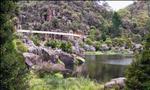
<point x="89" y="48"/>
<point x="28" y="42"/>
<point x="41" y="51"/>
<point x="120" y="82"/>
<point x="32" y="59"/>
<point x="104" y="47"/>
<point x="67" y="59"/>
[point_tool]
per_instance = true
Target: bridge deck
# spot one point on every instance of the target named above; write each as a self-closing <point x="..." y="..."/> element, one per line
<point x="48" y="32"/>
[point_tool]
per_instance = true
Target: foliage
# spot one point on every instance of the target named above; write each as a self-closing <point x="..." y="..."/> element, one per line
<point x="35" y="39"/>
<point x="19" y="46"/>
<point x="55" y="23"/>
<point x="88" y="41"/>
<point x="108" y="42"/>
<point x="97" y="45"/>
<point x="148" y="25"/>
<point x="66" y="46"/>
<point x="53" y="43"/>
<point x="124" y="13"/>
<point x="138" y="76"/>
<point x="103" y="36"/>
<point x="92" y="33"/>
<point x="118" y="42"/>
<point x="116" y="21"/>
<point x="12" y="66"/>
<point x="53" y="82"/>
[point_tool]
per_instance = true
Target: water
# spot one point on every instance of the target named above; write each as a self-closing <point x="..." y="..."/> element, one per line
<point x="103" y="68"/>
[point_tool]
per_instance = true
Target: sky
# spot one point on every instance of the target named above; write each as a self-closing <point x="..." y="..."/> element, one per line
<point x="116" y="5"/>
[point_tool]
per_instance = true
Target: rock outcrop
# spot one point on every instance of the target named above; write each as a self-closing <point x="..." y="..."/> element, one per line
<point x="119" y="82"/>
<point x="42" y="58"/>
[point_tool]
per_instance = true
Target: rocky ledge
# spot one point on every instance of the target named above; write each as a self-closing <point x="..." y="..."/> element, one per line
<point x="46" y="59"/>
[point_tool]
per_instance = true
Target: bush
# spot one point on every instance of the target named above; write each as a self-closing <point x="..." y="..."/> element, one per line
<point x="97" y="45"/>
<point x="108" y="42"/>
<point x="88" y="41"/>
<point x="12" y="66"/>
<point x="36" y="40"/>
<point x="138" y="73"/>
<point x="66" y="47"/>
<point x="53" y="43"/>
<point x="118" y="42"/>
<point x="19" y="46"/>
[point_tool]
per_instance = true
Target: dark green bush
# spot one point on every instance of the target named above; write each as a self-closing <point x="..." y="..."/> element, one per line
<point x="53" y="43"/>
<point x="66" y="46"/>
<point x="138" y="73"/>
<point x="35" y="39"/>
<point x="88" y="41"/>
<point x="12" y="66"/>
<point x="118" y="42"/>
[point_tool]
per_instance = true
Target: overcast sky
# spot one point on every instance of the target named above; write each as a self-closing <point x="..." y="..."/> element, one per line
<point x="116" y="5"/>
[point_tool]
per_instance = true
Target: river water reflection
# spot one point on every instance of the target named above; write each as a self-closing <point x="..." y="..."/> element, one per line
<point x="102" y="68"/>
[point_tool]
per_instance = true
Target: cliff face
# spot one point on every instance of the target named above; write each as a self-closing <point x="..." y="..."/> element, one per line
<point x="62" y="15"/>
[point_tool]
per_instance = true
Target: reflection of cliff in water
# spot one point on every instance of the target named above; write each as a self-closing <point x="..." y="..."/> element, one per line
<point x="103" y="68"/>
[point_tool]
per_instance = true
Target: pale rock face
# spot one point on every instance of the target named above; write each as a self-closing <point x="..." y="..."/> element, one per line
<point x="104" y="47"/>
<point x="89" y="48"/>
<point x="117" y="81"/>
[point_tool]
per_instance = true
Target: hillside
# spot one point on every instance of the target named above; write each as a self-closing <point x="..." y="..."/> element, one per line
<point x="136" y="19"/>
<point x="63" y="16"/>
<point x="104" y="28"/>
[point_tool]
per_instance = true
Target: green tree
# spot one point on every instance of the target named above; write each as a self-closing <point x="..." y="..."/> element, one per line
<point x="116" y="20"/>
<point x="12" y="66"/>
<point x="138" y="73"/>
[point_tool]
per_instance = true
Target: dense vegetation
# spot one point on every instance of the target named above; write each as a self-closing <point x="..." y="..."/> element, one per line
<point x="138" y="74"/>
<point x="64" y="45"/>
<point x="57" y="82"/>
<point x="12" y="66"/>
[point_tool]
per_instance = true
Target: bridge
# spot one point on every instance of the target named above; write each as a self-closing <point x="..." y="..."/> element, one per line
<point x="54" y="33"/>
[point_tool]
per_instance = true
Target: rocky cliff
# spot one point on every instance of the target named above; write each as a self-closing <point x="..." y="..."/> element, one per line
<point x="77" y="16"/>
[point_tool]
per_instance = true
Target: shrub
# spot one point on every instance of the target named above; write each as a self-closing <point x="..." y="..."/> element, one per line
<point x="12" y="67"/>
<point x="35" y="40"/>
<point x="53" y="43"/>
<point x="89" y="41"/>
<point x="108" y="42"/>
<point x="19" y="46"/>
<point x="137" y="74"/>
<point x="118" y="42"/>
<point x="97" y="45"/>
<point x="66" y="47"/>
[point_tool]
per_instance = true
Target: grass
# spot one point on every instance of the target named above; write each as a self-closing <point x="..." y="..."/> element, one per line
<point x="124" y="53"/>
<point x="53" y="82"/>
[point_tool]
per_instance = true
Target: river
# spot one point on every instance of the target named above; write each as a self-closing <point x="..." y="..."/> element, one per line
<point x="103" y="68"/>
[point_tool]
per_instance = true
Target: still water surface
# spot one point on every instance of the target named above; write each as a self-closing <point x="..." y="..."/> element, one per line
<point x="102" y="68"/>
